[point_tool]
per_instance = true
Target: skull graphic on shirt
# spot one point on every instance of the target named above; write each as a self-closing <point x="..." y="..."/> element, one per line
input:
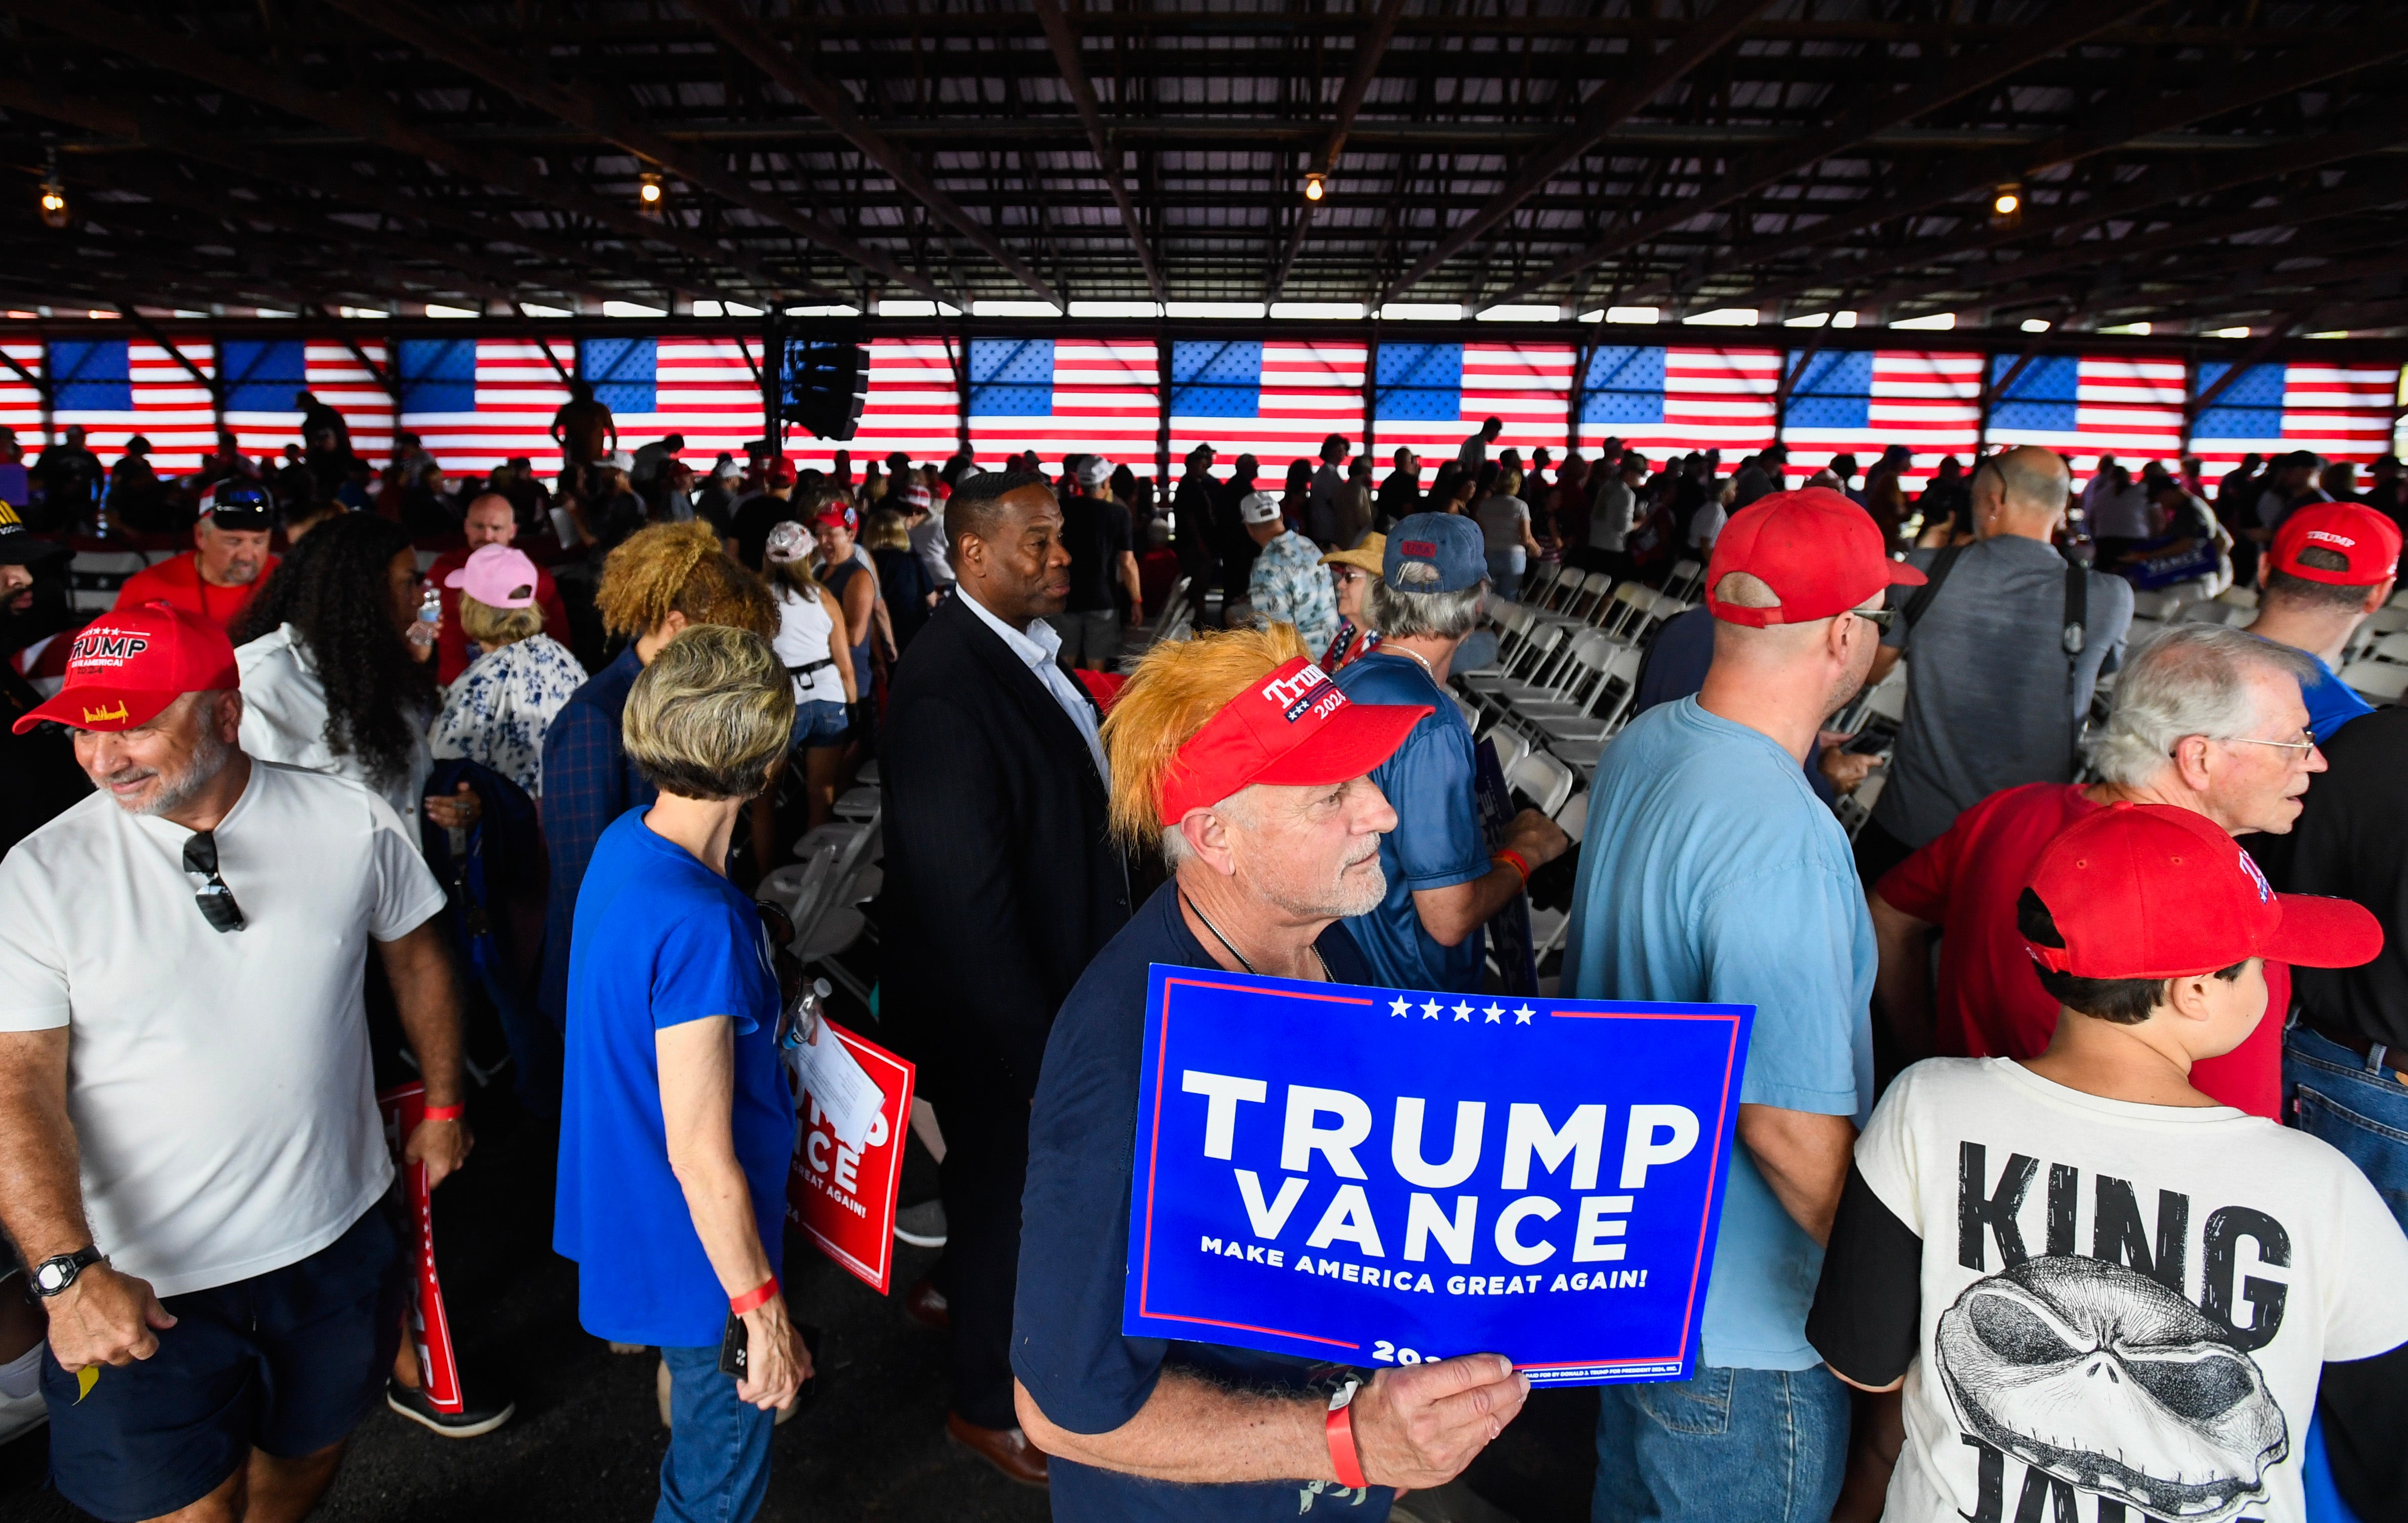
<point x="2111" y="1382"/>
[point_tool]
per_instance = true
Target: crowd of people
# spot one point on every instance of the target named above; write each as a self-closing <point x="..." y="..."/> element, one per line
<point x="2134" y="907"/>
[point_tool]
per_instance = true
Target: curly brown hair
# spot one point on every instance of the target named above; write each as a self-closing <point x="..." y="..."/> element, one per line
<point x="680" y="568"/>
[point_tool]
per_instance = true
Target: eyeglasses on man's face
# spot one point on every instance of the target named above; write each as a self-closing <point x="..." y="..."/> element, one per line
<point x="2305" y="743"/>
<point x="1880" y="618"/>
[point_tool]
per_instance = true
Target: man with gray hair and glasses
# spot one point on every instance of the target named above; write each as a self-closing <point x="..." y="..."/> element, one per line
<point x="1444" y="884"/>
<point x="2207" y="719"/>
<point x="1992" y="695"/>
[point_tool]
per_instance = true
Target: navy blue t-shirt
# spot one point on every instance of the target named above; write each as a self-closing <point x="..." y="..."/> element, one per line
<point x="1431" y="783"/>
<point x="661" y="939"/>
<point x="1067" y="1346"/>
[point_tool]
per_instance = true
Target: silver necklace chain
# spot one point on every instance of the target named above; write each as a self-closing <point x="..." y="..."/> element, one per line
<point x="1197" y="909"/>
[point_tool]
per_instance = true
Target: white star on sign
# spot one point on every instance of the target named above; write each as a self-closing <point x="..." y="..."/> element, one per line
<point x="1399" y="1007"/>
<point x="1463" y="1011"/>
<point x="1495" y="1013"/>
<point x="1522" y="1016"/>
<point x="1429" y="1012"/>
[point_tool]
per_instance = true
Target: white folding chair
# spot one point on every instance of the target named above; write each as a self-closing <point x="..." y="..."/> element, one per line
<point x="2376" y="681"/>
<point x="1548" y="783"/>
<point x="2393" y="648"/>
<point x="1573" y="817"/>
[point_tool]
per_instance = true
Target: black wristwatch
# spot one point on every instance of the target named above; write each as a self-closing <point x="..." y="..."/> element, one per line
<point x="52" y="1275"/>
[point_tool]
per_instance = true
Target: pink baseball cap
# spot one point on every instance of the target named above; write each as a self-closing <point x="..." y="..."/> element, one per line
<point x="496" y="576"/>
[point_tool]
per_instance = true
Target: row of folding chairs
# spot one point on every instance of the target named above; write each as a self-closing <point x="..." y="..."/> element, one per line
<point x="835" y="875"/>
<point x="2374" y="662"/>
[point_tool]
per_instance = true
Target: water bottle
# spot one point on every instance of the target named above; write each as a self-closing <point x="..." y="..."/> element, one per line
<point x="430" y="617"/>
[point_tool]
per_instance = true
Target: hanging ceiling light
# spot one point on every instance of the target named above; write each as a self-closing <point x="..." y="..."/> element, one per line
<point x="2007" y="206"/>
<point x="1312" y="190"/>
<point x="648" y="190"/>
<point x="55" y="196"/>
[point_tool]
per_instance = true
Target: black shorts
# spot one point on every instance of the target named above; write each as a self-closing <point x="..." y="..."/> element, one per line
<point x="288" y="1362"/>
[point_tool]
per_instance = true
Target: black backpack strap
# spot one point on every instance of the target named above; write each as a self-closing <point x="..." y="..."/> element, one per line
<point x="2077" y="616"/>
<point x="1920" y="603"/>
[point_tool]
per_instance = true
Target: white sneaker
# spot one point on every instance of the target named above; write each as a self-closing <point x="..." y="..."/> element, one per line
<point x="22" y="1414"/>
<point x="921" y="1226"/>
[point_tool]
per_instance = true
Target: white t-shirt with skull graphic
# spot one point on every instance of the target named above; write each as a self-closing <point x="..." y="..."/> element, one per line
<point x="2105" y="1312"/>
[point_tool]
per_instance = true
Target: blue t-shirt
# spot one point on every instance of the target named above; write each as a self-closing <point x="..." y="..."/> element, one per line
<point x="1437" y="843"/>
<point x="2330" y="702"/>
<point x="1067" y="1346"/>
<point x="661" y="939"/>
<point x="1710" y="872"/>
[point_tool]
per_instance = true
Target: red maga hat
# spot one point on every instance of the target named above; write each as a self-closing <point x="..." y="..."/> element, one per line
<point x="124" y="667"/>
<point x="839" y="515"/>
<point x="2151" y="891"/>
<point x="1292" y="727"/>
<point x="1819" y="552"/>
<point x="2367" y="539"/>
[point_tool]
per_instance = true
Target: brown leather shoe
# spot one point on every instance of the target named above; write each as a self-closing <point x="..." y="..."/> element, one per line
<point x="925" y="1304"/>
<point x="1007" y="1449"/>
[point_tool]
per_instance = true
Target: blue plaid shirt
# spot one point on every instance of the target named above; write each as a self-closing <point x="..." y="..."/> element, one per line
<point x="588" y="781"/>
<point x="1290" y="585"/>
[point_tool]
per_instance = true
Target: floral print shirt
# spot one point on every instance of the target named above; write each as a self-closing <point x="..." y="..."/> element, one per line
<point x="496" y="711"/>
<point x="1290" y="585"/>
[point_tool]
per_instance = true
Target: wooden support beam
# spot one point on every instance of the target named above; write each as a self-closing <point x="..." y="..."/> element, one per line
<point x="2071" y="22"/>
<point x="1108" y="156"/>
<point x="1368" y="50"/>
<point x="740" y="31"/>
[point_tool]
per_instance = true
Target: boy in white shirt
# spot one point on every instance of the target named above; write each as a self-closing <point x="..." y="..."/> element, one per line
<point x="2108" y="1298"/>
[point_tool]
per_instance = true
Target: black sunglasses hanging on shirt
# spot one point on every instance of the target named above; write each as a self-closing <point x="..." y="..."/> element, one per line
<point x="215" y="898"/>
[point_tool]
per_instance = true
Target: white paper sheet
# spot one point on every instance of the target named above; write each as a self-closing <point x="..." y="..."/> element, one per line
<point x="832" y="1076"/>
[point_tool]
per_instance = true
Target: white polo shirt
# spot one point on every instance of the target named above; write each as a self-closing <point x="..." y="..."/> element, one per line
<point x="218" y="1081"/>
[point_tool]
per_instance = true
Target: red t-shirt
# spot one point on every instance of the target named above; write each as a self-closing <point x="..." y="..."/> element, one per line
<point x="178" y="579"/>
<point x="1989" y="1002"/>
<point x="453" y="648"/>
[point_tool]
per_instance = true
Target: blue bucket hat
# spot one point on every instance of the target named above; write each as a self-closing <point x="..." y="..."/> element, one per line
<point x="1434" y="552"/>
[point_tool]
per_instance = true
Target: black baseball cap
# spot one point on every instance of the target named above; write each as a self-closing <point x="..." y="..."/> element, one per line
<point x="19" y="547"/>
<point x="239" y="505"/>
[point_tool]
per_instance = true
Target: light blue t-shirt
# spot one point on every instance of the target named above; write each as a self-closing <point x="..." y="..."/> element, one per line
<point x="1437" y="843"/>
<point x="660" y="939"/>
<point x="1710" y="872"/>
<point x="2330" y="702"/>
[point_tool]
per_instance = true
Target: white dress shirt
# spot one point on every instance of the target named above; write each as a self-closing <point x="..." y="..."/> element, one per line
<point x="1042" y="648"/>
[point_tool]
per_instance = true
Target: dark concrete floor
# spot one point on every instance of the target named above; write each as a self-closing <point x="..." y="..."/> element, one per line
<point x="586" y="1444"/>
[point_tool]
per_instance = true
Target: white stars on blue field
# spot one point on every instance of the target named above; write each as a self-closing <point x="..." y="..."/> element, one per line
<point x="1401" y="1007"/>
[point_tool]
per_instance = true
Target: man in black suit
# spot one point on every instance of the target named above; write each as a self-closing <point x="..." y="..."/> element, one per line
<point x="1000" y="886"/>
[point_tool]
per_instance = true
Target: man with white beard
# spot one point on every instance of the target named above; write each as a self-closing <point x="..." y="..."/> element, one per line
<point x="1247" y="767"/>
<point x="191" y="1158"/>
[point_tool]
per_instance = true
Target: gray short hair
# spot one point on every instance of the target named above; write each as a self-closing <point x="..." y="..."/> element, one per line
<point x="710" y="714"/>
<point x="1409" y="616"/>
<point x="2190" y="679"/>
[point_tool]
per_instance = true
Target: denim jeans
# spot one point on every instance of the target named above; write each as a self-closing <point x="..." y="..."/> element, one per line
<point x="1505" y="573"/>
<point x="1727" y="1447"/>
<point x="717" y="1468"/>
<point x="2359" y="1107"/>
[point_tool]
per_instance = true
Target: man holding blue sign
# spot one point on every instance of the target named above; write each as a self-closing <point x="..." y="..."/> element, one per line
<point x="1246" y="765"/>
<point x="1712" y="872"/>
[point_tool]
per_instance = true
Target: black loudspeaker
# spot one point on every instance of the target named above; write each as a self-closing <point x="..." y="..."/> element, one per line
<point x="823" y="383"/>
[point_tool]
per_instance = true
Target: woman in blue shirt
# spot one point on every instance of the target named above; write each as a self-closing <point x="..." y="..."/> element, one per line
<point x="677" y="1124"/>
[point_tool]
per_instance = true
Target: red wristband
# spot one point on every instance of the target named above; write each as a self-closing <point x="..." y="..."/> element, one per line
<point x="1519" y="863"/>
<point x="443" y="1112"/>
<point x="754" y="1298"/>
<point x="1340" y="1429"/>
